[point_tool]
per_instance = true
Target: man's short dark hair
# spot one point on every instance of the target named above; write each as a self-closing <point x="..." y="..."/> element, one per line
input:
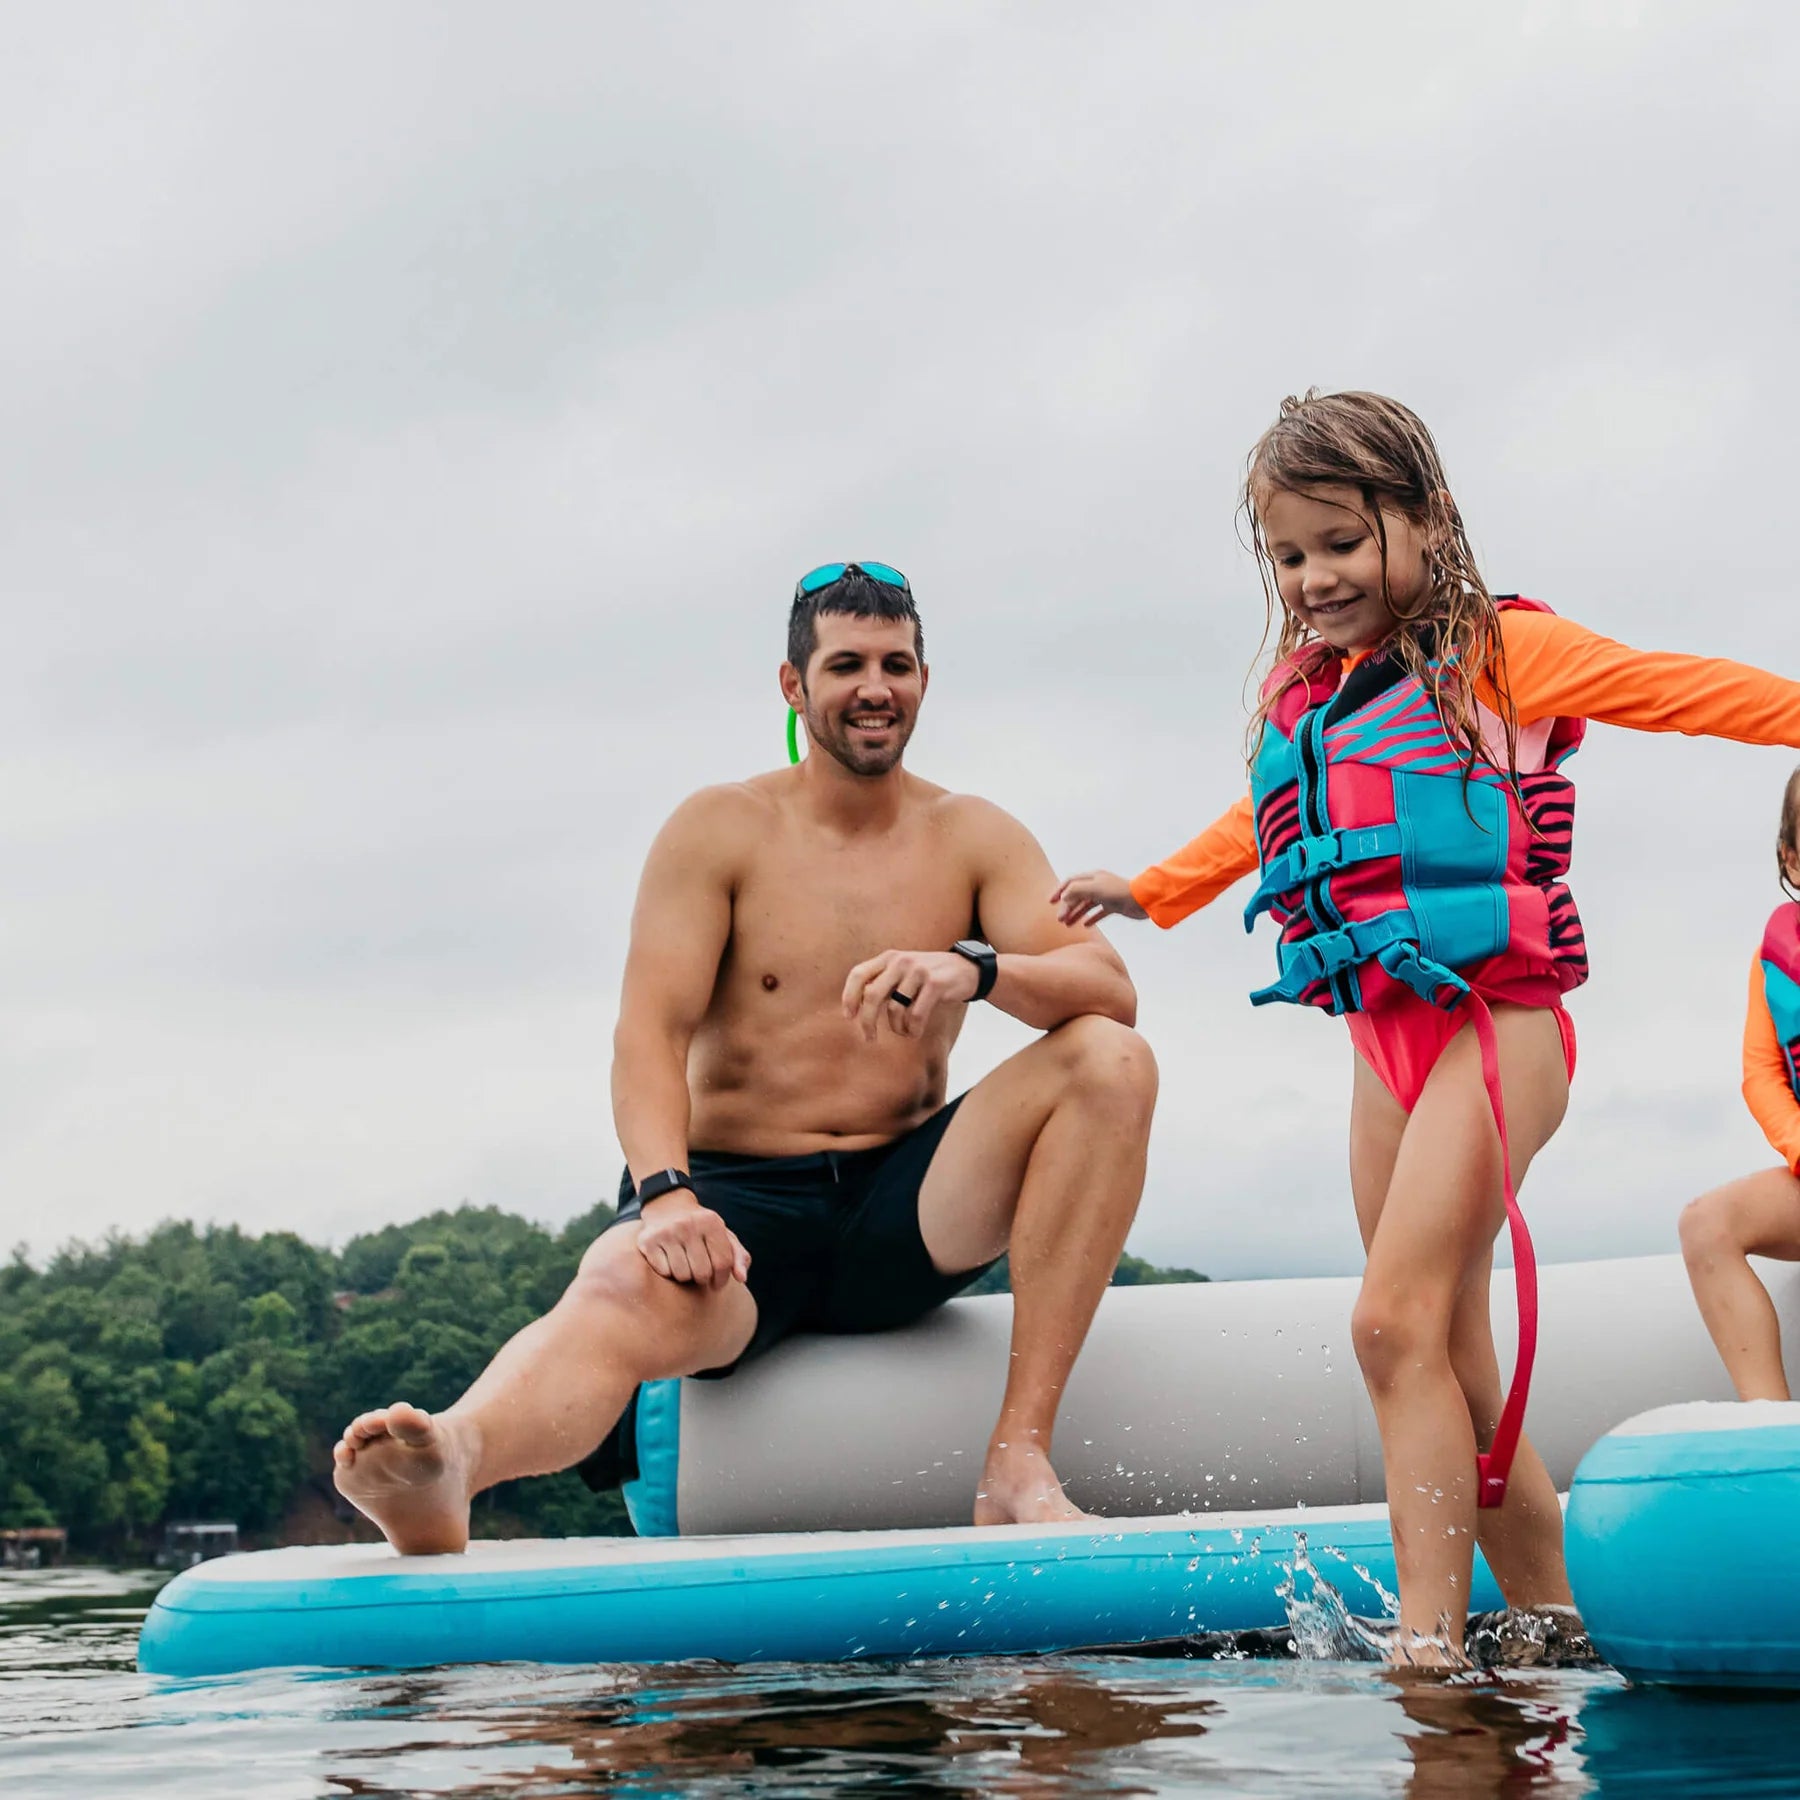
<point x="856" y="595"/>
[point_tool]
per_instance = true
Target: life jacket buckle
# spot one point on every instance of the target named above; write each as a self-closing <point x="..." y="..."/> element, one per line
<point x="1331" y="952"/>
<point x="1404" y="962"/>
<point x="1315" y="856"/>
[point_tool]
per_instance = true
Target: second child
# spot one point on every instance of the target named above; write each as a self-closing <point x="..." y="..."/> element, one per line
<point x="1759" y="1215"/>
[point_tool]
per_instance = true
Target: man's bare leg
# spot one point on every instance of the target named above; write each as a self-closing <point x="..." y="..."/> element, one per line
<point x="550" y="1395"/>
<point x="1045" y="1159"/>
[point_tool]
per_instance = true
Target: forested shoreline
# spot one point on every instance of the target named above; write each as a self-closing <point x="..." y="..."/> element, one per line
<point x="203" y="1373"/>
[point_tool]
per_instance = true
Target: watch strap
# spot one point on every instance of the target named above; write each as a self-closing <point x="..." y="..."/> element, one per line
<point x="664" y="1181"/>
<point x="986" y="960"/>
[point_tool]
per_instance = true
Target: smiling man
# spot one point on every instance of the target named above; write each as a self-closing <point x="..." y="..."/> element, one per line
<point x="805" y="947"/>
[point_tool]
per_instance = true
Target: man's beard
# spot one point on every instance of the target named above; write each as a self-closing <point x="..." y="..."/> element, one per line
<point x="851" y="752"/>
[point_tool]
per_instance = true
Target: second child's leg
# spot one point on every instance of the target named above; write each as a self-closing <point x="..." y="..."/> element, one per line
<point x="1757" y="1216"/>
<point x="1430" y="1235"/>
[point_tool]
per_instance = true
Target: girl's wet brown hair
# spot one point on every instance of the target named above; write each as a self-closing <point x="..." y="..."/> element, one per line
<point x="1381" y="449"/>
<point x="1785" y="845"/>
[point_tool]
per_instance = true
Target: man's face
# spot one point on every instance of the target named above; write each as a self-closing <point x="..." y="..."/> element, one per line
<point x="861" y="692"/>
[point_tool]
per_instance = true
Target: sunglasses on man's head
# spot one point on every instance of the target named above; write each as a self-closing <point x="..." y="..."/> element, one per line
<point x="826" y="573"/>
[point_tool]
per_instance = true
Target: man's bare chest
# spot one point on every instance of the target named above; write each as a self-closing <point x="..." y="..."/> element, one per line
<point x="820" y="913"/>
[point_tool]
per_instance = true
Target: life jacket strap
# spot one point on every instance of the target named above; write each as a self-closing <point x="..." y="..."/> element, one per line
<point x="1431" y="981"/>
<point x="1315" y="856"/>
<point x="1326" y="953"/>
<point x="1494" y="1465"/>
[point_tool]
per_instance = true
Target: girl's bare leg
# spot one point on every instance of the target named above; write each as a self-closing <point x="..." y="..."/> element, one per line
<point x="1522" y="1538"/>
<point x="1428" y="1236"/>
<point x="1759" y="1215"/>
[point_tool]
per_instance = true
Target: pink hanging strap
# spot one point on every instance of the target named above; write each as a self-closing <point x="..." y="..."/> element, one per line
<point x="1494" y="1465"/>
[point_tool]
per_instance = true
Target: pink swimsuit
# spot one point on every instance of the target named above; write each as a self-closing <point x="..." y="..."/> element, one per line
<point x="1403" y="1039"/>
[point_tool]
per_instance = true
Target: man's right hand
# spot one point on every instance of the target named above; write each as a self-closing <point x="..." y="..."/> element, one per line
<point x="685" y="1241"/>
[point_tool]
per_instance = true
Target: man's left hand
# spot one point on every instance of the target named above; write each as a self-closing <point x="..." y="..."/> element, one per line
<point x="904" y="988"/>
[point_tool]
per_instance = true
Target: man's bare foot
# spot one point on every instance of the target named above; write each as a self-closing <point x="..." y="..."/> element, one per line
<point x="407" y="1471"/>
<point x="1019" y="1487"/>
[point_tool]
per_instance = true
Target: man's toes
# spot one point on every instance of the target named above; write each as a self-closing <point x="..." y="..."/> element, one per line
<point x="409" y="1425"/>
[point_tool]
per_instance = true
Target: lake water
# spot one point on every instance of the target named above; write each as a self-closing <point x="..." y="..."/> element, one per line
<point x="77" y="1722"/>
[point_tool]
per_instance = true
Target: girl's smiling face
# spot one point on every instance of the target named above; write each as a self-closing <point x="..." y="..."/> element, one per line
<point x="1327" y="561"/>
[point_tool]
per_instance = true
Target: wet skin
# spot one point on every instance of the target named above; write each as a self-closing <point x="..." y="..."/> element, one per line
<point x="776" y="919"/>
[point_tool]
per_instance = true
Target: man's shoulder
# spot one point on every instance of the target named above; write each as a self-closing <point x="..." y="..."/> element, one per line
<point x="715" y="823"/>
<point x="970" y="817"/>
<point x="727" y="803"/>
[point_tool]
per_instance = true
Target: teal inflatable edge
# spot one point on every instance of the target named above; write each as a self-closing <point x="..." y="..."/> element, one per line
<point x="820" y="1597"/>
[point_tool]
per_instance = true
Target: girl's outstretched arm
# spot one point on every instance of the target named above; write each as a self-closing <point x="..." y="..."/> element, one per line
<point x="1558" y="669"/>
<point x="1766" y="1090"/>
<point x="1200" y="871"/>
<point x="1093" y="895"/>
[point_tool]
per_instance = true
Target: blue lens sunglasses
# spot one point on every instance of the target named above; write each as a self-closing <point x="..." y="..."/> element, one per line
<point x="826" y="573"/>
<point x="822" y="577"/>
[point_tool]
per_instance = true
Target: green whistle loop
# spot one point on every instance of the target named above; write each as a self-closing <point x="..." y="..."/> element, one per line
<point x="793" y="736"/>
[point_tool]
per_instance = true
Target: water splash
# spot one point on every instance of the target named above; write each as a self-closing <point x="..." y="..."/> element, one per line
<point x="1324" y="1628"/>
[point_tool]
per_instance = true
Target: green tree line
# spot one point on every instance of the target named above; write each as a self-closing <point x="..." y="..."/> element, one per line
<point x="204" y="1374"/>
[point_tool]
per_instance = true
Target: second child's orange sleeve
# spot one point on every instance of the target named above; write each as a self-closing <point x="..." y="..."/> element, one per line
<point x="1767" y="1091"/>
<point x="1200" y="871"/>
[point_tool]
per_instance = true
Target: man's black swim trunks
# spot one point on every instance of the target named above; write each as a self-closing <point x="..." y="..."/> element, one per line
<point x="833" y="1238"/>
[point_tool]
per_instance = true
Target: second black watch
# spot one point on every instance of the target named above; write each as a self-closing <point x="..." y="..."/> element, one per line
<point x="986" y="961"/>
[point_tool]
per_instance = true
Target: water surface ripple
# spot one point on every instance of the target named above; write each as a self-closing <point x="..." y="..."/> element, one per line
<point x="77" y="1722"/>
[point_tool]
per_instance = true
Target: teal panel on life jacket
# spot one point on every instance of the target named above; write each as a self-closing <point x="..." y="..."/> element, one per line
<point x="1783" y="995"/>
<point x="1277" y="762"/>
<point x="1451" y="831"/>
<point x="1453" y="845"/>
<point x="1459" y="927"/>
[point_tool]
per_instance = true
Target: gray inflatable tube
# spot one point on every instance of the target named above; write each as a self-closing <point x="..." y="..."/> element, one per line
<point x="1210" y="1396"/>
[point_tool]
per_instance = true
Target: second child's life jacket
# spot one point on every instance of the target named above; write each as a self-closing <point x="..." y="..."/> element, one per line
<point x="1389" y="862"/>
<point x="1781" y="984"/>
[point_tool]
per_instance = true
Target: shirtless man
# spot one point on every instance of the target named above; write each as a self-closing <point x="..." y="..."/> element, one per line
<point x="779" y="1077"/>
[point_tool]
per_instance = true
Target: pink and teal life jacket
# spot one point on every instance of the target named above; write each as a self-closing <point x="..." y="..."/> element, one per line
<point x="1781" y="983"/>
<point x="1386" y="860"/>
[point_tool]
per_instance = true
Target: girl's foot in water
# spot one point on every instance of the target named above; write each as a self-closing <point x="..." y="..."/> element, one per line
<point x="408" y="1472"/>
<point x="1019" y="1487"/>
<point x="1418" y="1650"/>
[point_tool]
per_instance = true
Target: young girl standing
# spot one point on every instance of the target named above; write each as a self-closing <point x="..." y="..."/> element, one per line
<point x="1413" y="827"/>
<point x="1759" y="1215"/>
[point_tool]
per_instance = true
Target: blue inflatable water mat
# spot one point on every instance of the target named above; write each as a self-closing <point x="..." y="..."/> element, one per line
<point x="1679" y="1547"/>
<point x="802" y="1597"/>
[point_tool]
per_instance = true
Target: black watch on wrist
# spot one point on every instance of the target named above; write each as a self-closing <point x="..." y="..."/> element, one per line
<point x="664" y="1181"/>
<point x="986" y="961"/>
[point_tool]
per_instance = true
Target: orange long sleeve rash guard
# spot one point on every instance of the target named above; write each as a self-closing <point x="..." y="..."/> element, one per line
<point x="1766" y="1089"/>
<point x="1556" y="669"/>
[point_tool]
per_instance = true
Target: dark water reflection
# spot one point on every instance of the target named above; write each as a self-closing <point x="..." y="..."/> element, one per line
<point x="76" y="1720"/>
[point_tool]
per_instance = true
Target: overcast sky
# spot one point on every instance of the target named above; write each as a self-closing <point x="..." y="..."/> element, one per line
<point x="415" y="418"/>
